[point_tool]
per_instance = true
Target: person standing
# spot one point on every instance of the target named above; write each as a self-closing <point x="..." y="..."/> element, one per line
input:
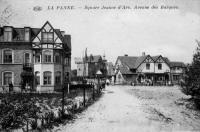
<point x="10" y="87"/>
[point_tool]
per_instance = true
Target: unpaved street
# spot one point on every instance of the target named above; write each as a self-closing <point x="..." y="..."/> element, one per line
<point x="124" y="109"/>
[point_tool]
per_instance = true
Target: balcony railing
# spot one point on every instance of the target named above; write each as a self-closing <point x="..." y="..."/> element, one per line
<point x="27" y="66"/>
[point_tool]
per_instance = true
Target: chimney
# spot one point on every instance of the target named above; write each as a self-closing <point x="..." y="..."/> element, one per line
<point x="126" y="55"/>
<point x="143" y="53"/>
<point x="63" y="33"/>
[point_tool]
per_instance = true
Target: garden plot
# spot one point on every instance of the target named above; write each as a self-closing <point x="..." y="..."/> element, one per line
<point x="41" y="111"/>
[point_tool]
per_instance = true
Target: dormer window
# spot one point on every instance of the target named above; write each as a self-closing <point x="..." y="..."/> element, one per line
<point x="8" y="34"/>
<point x="27" y="34"/>
<point x="47" y="37"/>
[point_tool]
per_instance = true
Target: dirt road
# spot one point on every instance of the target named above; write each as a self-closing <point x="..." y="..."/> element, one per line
<point x="119" y="110"/>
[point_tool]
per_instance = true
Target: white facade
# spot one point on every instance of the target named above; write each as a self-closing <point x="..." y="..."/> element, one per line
<point x="143" y="68"/>
<point x="165" y="68"/>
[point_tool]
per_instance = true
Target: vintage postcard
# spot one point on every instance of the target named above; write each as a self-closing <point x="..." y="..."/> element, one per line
<point x="99" y="65"/>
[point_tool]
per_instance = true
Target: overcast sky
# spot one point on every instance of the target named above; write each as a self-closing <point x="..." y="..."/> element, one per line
<point x="171" y="33"/>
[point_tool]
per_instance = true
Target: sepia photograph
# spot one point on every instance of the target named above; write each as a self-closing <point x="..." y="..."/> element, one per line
<point x="99" y="65"/>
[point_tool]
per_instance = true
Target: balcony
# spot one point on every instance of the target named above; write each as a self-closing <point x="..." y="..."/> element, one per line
<point x="27" y="66"/>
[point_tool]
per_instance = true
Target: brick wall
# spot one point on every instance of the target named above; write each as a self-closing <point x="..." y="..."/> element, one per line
<point x="16" y="69"/>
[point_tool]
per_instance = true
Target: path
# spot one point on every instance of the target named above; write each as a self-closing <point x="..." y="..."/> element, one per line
<point x="116" y="111"/>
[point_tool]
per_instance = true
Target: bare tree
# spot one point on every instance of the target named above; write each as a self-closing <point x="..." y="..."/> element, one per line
<point x="6" y="15"/>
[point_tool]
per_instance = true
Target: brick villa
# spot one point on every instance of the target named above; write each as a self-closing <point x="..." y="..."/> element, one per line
<point x="35" y="58"/>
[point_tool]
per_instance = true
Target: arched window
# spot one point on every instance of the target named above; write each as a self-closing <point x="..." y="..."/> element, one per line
<point x="58" y="77"/>
<point x="57" y="58"/>
<point x="7" y="78"/>
<point x="37" y="78"/>
<point x="67" y="61"/>
<point x="27" y="58"/>
<point x="47" y="57"/>
<point x="37" y="58"/>
<point x="7" y="56"/>
<point x="47" y="78"/>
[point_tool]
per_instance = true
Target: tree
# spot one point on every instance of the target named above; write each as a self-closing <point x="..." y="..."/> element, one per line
<point x="191" y="85"/>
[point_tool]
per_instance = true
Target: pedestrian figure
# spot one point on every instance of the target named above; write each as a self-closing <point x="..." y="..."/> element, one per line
<point x="3" y="88"/>
<point x="10" y="87"/>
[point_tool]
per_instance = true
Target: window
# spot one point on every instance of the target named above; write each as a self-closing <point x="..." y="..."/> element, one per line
<point x="58" y="77"/>
<point x="27" y="58"/>
<point x="7" y="78"/>
<point x="147" y="66"/>
<point x="7" y="56"/>
<point x="159" y="66"/>
<point x="47" y="56"/>
<point x="66" y="61"/>
<point x="37" y="58"/>
<point x="47" y="78"/>
<point x="47" y="37"/>
<point x="57" y="58"/>
<point x="176" y="77"/>
<point x="8" y="34"/>
<point x="37" y="78"/>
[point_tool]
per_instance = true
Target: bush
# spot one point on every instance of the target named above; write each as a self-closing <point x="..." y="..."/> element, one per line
<point x="191" y="83"/>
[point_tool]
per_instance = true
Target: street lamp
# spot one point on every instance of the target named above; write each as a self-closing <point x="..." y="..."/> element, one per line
<point x="98" y="76"/>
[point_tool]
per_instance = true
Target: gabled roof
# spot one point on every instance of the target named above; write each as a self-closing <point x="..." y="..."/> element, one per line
<point x="177" y="64"/>
<point x="139" y="60"/>
<point x="133" y="62"/>
<point x="57" y="31"/>
<point x="19" y="34"/>
<point x="128" y="60"/>
<point x="155" y="58"/>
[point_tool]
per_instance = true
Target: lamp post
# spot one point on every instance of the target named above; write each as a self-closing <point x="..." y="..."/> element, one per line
<point x="98" y="77"/>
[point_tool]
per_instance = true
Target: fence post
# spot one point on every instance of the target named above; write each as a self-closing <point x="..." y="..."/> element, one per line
<point x="93" y="94"/>
<point x="84" y="95"/>
<point x="63" y="98"/>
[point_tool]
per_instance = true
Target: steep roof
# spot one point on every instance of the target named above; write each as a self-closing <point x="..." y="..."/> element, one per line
<point x="133" y="62"/>
<point x="19" y="33"/>
<point x="177" y="64"/>
<point x="139" y="60"/>
<point x="128" y="60"/>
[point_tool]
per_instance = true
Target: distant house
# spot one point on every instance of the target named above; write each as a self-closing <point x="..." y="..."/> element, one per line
<point x="110" y="69"/>
<point x="89" y="66"/>
<point x="177" y="71"/>
<point x="137" y="69"/>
